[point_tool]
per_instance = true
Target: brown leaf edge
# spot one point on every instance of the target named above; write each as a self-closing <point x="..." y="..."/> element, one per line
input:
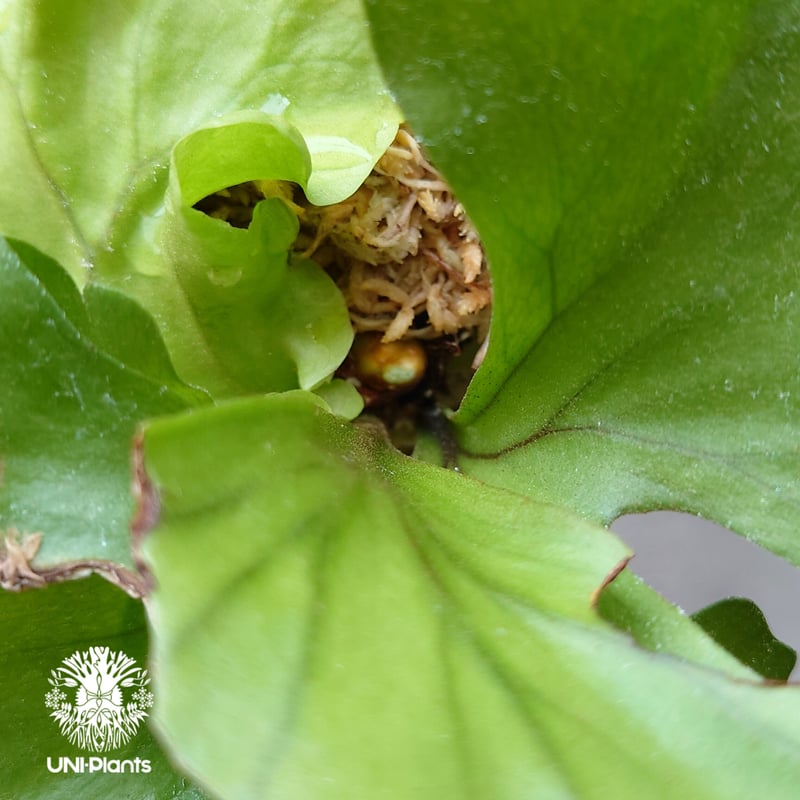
<point x="609" y="579"/>
<point x="18" y="574"/>
<point x="18" y="550"/>
<point x="148" y="510"/>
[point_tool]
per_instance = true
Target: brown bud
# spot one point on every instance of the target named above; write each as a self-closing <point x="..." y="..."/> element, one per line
<point x="388" y="366"/>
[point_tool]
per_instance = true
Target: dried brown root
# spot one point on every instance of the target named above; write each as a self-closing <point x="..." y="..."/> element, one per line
<point x="401" y="248"/>
<point x="16" y="554"/>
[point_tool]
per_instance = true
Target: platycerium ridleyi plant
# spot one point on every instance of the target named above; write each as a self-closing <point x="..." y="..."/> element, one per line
<point x="324" y="616"/>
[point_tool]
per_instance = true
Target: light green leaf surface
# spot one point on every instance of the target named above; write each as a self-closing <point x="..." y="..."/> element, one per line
<point x="657" y="625"/>
<point x="341" y="397"/>
<point x="359" y="624"/>
<point x="75" y="379"/>
<point x="562" y="127"/>
<point x="38" y="630"/>
<point x="93" y="103"/>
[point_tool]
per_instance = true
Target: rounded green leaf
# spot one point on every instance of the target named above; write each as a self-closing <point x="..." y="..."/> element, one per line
<point x="674" y="382"/>
<point x="356" y="621"/>
<point x="562" y="126"/>
<point x="671" y="382"/>
<point x="342" y="398"/>
<point x="240" y="147"/>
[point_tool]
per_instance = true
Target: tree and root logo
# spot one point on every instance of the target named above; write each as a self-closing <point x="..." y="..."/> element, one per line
<point x="99" y="698"/>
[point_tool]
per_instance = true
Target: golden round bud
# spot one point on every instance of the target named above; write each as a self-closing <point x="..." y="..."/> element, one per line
<point x="388" y="366"/>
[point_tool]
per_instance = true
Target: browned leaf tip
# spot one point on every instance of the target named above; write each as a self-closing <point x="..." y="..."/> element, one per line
<point x="132" y="583"/>
<point x="609" y="579"/>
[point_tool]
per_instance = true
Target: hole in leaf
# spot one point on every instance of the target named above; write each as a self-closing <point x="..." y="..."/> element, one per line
<point x="695" y="563"/>
<point x="235" y="204"/>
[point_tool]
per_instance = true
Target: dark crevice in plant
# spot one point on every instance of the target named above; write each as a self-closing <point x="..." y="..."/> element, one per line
<point x="413" y="274"/>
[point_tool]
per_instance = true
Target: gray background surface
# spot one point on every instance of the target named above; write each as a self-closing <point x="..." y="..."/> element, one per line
<point x="694" y="562"/>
